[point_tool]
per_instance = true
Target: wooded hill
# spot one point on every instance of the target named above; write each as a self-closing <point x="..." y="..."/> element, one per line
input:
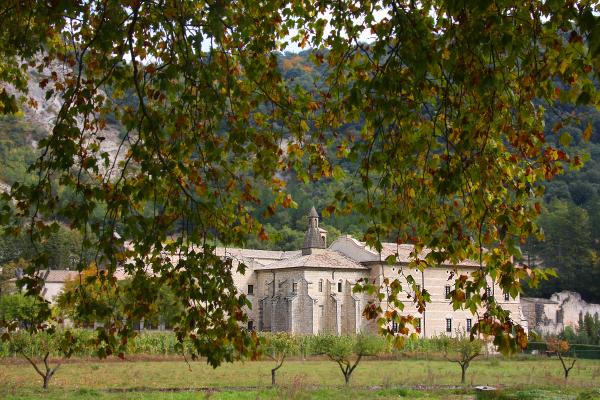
<point x="570" y="215"/>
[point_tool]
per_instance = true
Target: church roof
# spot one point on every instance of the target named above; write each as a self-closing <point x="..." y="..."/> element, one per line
<point x="264" y="257"/>
<point x="322" y="259"/>
<point x="313" y="213"/>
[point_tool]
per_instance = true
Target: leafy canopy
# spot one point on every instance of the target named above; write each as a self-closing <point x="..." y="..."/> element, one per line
<point x="449" y="97"/>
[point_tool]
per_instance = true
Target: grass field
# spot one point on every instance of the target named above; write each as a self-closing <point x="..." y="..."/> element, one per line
<point x="538" y="378"/>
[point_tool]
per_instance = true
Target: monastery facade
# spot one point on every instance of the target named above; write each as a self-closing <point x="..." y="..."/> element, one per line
<point x="309" y="291"/>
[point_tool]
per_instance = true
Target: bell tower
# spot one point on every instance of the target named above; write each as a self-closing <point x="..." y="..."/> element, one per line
<point x="314" y="238"/>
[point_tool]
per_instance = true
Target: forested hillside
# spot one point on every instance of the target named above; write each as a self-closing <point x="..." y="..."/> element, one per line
<point x="571" y="210"/>
<point x="570" y="215"/>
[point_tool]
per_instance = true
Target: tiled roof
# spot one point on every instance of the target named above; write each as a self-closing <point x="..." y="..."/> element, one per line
<point x="402" y="252"/>
<point x="57" y="275"/>
<point x="63" y="275"/>
<point x="261" y="256"/>
<point x="318" y="259"/>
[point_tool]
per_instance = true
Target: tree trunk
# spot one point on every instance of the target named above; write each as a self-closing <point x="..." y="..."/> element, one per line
<point x="274" y="371"/>
<point x="47" y="380"/>
<point x="347" y="378"/>
<point x="565" y="368"/>
<point x="463" y="373"/>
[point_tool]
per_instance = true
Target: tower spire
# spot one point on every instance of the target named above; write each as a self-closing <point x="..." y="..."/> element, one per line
<point x="312" y="238"/>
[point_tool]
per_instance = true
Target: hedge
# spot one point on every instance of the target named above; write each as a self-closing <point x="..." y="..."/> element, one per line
<point x="586" y="351"/>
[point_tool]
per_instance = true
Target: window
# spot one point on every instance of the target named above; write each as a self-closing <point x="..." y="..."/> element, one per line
<point x="469" y="324"/>
<point x="488" y="292"/>
<point x="250" y="325"/>
<point x="447" y="291"/>
<point x="449" y="325"/>
<point x="340" y="286"/>
<point x="506" y="297"/>
<point x="418" y="324"/>
<point x="250" y="289"/>
<point x="394" y="326"/>
<point x="295" y="287"/>
<point x="321" y="285"/>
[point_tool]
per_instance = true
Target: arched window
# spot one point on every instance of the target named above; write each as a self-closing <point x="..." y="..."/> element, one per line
<point x="340" y="286"/>
<point x="320" y="285"/>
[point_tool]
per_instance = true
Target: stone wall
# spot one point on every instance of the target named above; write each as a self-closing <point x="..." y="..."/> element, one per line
<point x="551" y="316"/>
<point x="302" y="310"/>
<point x="571" y="305"/>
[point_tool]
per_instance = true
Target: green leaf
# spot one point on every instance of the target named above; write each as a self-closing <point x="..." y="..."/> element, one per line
<point x="565" y="139"/>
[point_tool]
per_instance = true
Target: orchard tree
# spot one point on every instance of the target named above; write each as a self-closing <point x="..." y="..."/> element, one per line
<point x="462" y="350"/>
<point x="561" y="349"/>
<point x="448" y="100"/>
<point x="277" y="347"/>
<point x="348" y="350"/>
<point x="52" y="342"/>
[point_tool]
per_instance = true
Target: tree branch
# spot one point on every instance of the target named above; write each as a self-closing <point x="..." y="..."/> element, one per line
<point x="37" y="369"/>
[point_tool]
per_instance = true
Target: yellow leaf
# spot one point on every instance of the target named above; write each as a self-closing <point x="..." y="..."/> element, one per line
<point x="303" y="126"/>
<point x="587" y="133"/>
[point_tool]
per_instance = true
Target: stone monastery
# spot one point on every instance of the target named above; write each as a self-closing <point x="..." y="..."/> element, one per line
<point x="309" y="291"/>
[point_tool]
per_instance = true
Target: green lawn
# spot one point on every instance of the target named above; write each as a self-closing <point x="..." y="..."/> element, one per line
<point x="539" y="378"/>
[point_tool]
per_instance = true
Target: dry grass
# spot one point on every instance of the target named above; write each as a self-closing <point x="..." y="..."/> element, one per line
<point x="298" y="376"/>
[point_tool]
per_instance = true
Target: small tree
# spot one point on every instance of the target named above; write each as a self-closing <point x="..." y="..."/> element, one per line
<point x="561" y="348"/>
<point x="462" y="351"/>
<point x="277" y="347"/>
<point x="347" y="351"/>
<point x="50" y="342"/>
<point x="24" y="319"/>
